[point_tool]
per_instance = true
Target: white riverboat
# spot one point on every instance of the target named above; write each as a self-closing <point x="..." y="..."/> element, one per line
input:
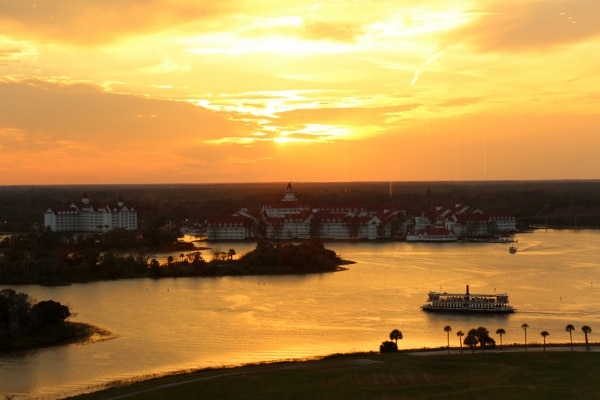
<point x="467" y="302"/>
<point x="434" y="235"/>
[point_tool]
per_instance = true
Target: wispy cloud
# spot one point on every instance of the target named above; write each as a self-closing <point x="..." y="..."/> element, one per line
<point x="537" y="25"/>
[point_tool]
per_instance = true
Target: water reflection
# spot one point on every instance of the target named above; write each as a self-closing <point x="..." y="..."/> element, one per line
<point x="176" y="324"/>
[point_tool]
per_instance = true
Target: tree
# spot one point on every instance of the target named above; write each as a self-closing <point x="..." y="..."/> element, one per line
<point x="15" y="315"/>
<point x="544" y="334"/>
<point x="586" y="329"/>
<point x="483" y="336"/>
<point x="388" y="347"/>
<point x="231" y="253"/>
<point x="524" y="327"/>
<point x="50" y="312"/>
<point x="448" y="329"/>
<point x="570" y="328"/>
<point x="460" y="334"/>
<point x="154" y="268"/>
<point x="395" y="335"/>
<point x="471" y="339"/>
<point x="500" y="332"/>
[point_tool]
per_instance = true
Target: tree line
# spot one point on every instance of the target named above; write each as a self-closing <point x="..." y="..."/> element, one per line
<point x="46" y="257"/>
<point x="21" y="317"/>
<point x="560" y="203"/>
<point x="481" y="336"/>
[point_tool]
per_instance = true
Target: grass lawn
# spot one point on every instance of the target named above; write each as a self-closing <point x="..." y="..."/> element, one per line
<point x="489" y="375"/>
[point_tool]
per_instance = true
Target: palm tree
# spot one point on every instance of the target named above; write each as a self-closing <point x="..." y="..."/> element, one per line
<point x="524" y="327"/>
<point x="231" y="253"/>
<point x="448" y="329"/>
<point x="395" y="335"/>
<point x="570" y="328"/>
<point x="586" y="329"/>
<point x="460" y="334"/>
<point x="544" y="334"/>
<point x="471" y="339"/>
<point x="500" y="332"/>
<point x="483" y="335"/>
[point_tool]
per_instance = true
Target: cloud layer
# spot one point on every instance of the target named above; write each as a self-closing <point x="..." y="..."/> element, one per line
<point x="203" y="91"/>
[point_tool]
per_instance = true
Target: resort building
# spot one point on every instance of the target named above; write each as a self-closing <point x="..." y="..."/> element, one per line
<point x="289" y="219"/>
<point x="461" y="220"/>
<point x="84" y="216"/>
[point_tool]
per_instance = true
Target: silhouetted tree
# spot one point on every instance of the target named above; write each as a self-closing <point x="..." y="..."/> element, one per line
<point x="500" y="332"/>
<point x="485" y="341"/>
<point x="388" y="347"/>
<point x="524" y="327"/>
<point x="50" y="312"/>
<point x="570" y="328"/>
<point x="460" y="334"/>
<point x="231" y="253"/>
<point x="15" y="317"/>
<point x="586" y="329"/>
<point x="396" y="335"/>
<point x="448" y="329"/>
<point x="544" y="334"/>
<point x="471" y="339"/>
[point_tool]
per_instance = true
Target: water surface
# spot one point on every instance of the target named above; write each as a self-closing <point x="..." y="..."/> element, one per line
<point x="176" y="324"/>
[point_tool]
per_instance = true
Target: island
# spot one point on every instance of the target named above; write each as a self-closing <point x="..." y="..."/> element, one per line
<point x="58" y="258"/>
<point x="26" y="324"/>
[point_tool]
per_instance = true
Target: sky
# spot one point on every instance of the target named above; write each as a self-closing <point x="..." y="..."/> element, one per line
<point x="195" y="91"/>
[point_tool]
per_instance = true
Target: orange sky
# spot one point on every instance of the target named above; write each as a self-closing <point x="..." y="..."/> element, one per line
<point x="186" y="91"/>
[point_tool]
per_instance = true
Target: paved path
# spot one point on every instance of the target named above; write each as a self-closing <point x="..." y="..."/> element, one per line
<point x="507" y="349"/>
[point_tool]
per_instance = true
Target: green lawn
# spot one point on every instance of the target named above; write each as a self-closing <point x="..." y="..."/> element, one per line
<point x="490" y="375"/>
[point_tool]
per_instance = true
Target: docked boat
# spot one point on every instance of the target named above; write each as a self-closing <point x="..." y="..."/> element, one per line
<point x="467" y="302"/>
<point x="435" y="235"/>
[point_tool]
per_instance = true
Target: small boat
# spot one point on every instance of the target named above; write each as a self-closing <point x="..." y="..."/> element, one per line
<point x="468" y="303"/>
<point x="512" y="249"/>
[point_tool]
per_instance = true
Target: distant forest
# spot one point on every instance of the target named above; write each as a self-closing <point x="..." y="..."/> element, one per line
<point x="554" y="203"/>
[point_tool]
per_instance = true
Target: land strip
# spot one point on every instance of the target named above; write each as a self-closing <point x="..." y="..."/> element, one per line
<point x="556" y="373"/>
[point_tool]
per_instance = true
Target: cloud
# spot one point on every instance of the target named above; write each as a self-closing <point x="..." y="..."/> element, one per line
<point x="70" y="118"/>
<point x="521" y="25"/>
<point x="339" y="31"/>
<point x="90" y="21"/>
<point x="343" y="115"/>
<point x="460" y="102"/>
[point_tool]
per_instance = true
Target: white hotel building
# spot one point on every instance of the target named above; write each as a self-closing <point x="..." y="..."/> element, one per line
<point x="288" y="219"/>
<point x="85" y="216"/>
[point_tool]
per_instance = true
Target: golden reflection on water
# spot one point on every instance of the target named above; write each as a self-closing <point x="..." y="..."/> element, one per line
<point x="174" y="324"/>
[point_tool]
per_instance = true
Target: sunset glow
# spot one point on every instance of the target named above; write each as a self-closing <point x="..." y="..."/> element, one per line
<point x="189" y="91"/>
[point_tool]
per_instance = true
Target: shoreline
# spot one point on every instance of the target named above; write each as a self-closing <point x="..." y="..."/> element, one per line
<point x="141" y="385"/>
<point x="71" y="333"/>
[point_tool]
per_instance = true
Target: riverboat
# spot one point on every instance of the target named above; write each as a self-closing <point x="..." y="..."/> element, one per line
<point x="512" y="249"/>
<point x="468" y="303"/>
<point x="435" y="235"/>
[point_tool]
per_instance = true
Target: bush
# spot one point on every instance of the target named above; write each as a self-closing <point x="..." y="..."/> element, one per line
<point x="50" y="312"/>
<point x="388" y="347"/>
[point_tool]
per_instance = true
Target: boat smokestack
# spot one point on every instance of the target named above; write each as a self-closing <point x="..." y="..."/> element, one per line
<point x="467" y="289"/>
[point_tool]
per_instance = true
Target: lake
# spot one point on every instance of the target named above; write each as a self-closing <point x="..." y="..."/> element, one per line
<point x="168" y="325"/>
